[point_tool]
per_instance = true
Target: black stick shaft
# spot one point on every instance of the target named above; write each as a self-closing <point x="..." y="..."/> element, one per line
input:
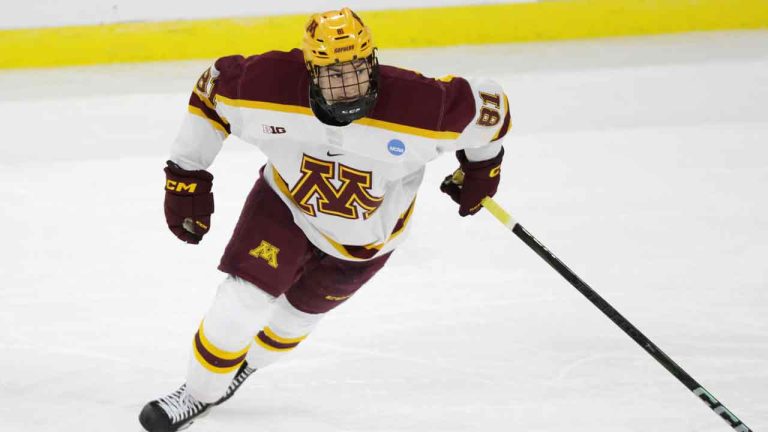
<point x="631" y="330"/>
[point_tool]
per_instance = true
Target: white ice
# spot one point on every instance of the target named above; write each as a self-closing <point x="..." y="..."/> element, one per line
<point x="641" y="162"/>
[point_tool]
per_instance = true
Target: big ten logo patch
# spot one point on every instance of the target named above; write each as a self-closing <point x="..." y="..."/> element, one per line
<point x="489" y="113"/>
<point x="339" y="190"/>
<point x="273" y="130"/>
<point x="266" y="251"/>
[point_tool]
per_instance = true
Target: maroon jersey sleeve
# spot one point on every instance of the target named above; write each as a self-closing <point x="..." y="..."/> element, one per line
<point x="275" y="77"/>
<point x="459" y="104"/>
<point x="411" y="99"/>
<point x="221" y="78"/>
<point x="450" y="104"/>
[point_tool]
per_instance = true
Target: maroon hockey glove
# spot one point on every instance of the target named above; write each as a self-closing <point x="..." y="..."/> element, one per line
<point x="188" y="202"/>
<point x="472" y="182"/>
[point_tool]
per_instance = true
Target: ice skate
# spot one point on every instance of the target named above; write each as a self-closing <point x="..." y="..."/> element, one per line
<point x="173" y="412"/>
<point x="242" y="374"/>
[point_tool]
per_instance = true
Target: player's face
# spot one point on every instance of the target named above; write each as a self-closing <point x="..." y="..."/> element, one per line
<point x="345" y="81"/>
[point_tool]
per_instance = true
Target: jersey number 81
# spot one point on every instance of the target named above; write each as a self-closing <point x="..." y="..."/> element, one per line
<point x="489" y="113"/>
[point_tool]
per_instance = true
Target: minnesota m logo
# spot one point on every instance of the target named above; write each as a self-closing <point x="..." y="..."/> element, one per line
<point x="344" y="200"/>
<point x="266" y="251"/>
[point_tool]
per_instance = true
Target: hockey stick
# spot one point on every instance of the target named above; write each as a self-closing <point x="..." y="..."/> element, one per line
<point x="632" y="331"/>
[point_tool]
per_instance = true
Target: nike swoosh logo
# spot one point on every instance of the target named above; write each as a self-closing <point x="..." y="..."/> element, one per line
<point x="333" y="154"/>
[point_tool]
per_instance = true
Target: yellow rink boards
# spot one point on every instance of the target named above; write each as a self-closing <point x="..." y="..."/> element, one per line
<point x="501" y="23"/>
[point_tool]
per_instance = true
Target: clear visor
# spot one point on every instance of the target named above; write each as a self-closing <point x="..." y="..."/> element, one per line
<point x="344" y="82"/>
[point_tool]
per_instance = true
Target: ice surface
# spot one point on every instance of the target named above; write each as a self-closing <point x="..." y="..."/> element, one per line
<point x="641" y="162"/>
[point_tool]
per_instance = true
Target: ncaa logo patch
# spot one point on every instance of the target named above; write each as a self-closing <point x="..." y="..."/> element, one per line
<point x="396" y="147"/>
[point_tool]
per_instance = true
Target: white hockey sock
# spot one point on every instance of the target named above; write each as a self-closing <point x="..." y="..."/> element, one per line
<point x="222" y="341"/>
<point x="285" y="329"/>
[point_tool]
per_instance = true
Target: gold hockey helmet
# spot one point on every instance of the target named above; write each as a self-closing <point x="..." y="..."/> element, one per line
<point x="336" y="37"/>
<point x="341" y="59"/>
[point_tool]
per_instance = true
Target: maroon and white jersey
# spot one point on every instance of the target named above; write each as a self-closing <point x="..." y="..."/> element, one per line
<point x="352" y="188"/>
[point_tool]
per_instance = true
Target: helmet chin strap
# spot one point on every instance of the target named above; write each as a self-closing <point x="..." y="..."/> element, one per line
<point x="340" y="113"/>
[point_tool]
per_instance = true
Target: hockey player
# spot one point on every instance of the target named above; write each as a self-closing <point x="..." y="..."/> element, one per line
<point x="347" y="141"/>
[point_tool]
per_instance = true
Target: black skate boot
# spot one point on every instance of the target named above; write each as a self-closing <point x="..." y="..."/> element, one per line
<point x="173" y="412"/>
<point x="242" y="374"/>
